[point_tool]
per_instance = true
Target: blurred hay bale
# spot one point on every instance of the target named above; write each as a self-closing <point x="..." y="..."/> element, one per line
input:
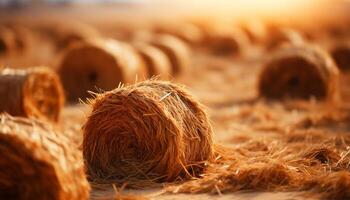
<point x="340" y="52"/>
<point x="299" y="72"/>
<point x="255" y="31"/>
<point x="152" y="131"/>
<point x="7" y="42"/>
<point x="156" y="61"/>
<point x="177" y="51"/>
<point x="226" y="41"/>
<point x="38" y="163"/>
<point x="64" y="34"/>
<point x="188" y="32"/>
<point x="34" y="92"/>
<point x="99" y="64"/>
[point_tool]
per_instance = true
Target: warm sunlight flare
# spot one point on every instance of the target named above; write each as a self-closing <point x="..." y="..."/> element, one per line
<point x="248" y="7"/>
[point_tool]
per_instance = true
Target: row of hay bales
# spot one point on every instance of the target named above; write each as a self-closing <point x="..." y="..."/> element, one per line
<point x="216" y="38"/>
<point x="149" y="131"/>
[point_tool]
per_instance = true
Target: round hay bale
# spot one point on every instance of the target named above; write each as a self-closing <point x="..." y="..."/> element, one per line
<point x="7" y="41"/>
<point x="176" y="50"/>
<point x="278" y="37"/>
<point x="23" y="37"/>
<point x="152" y="130"/>
<point x="227" y="41"/>
<point x="102" y="64"/>
<point x="341" y="55"/>
<point x="34" y="92"/>
<point x="38" y="163"/>
<point x="155" y="60"/>
<point x="188" y="32"/>
<point x="299" y="72"/>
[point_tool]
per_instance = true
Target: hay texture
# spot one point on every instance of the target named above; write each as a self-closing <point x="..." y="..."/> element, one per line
<point x="177" y="51"/>
<point x="34" y="93"/>
<point x="341" y="55"/>
<point x="156" y="61"/>
<point x="153" y="131"/>
<point x="38" y="163"/>
<point x="299" y="72"/>
<point x="99" y="64"/>
<point x="274" y="149"/>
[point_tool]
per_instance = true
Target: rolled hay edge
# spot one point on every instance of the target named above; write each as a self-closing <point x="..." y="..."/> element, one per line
<point x="99" y="64"/>
<point x="153" y="131"/>
<point x="39" y="163"/>
<point x="284" y="74"/>
<point x="34" y="92"/>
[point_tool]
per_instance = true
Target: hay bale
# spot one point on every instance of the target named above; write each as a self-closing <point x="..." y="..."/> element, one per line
<point x="299" y="72"/>
<point x="341" y="55"/>
<point x="34" y="92"/>
<point x="155" y="60"/>
<point x="227" y="41"/>
<point x="38" y="163"/>
<point x="188" y="32"/>
<point x="7" y="41"/>
<point x="176" y="50"/>
<point x="278" y="37"/>
<point x="23" y="37"/>
<point x="99" y="64"/>
<point x="153" y="130"/>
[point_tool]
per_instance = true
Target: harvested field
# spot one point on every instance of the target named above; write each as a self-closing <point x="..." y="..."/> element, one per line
<point x="216" y="109"/>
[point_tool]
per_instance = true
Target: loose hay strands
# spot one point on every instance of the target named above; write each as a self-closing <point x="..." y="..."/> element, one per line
<point x="299" y="72"/>
<point x="99" y="64"/>
<point x="150" y="131"/>
<point x="177" y="51"/>
<point x="155" y="60"/>
<point x="341" y="55"/>
<point x="278" y="163"/>
<point x="34" y="92"/>
<point x="38" y="163"/>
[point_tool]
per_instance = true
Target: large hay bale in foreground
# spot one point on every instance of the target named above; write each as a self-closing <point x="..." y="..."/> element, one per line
<point x="299" y="72"/>
<point x="156" y="61"/>
<point x="152" y="131"/>
<point x="34" y="92"/>
<point x="176" y="50"/>
<point x="38" y="163"/>
<point x="102" y="64"/>
<point x="341" y="55"/>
